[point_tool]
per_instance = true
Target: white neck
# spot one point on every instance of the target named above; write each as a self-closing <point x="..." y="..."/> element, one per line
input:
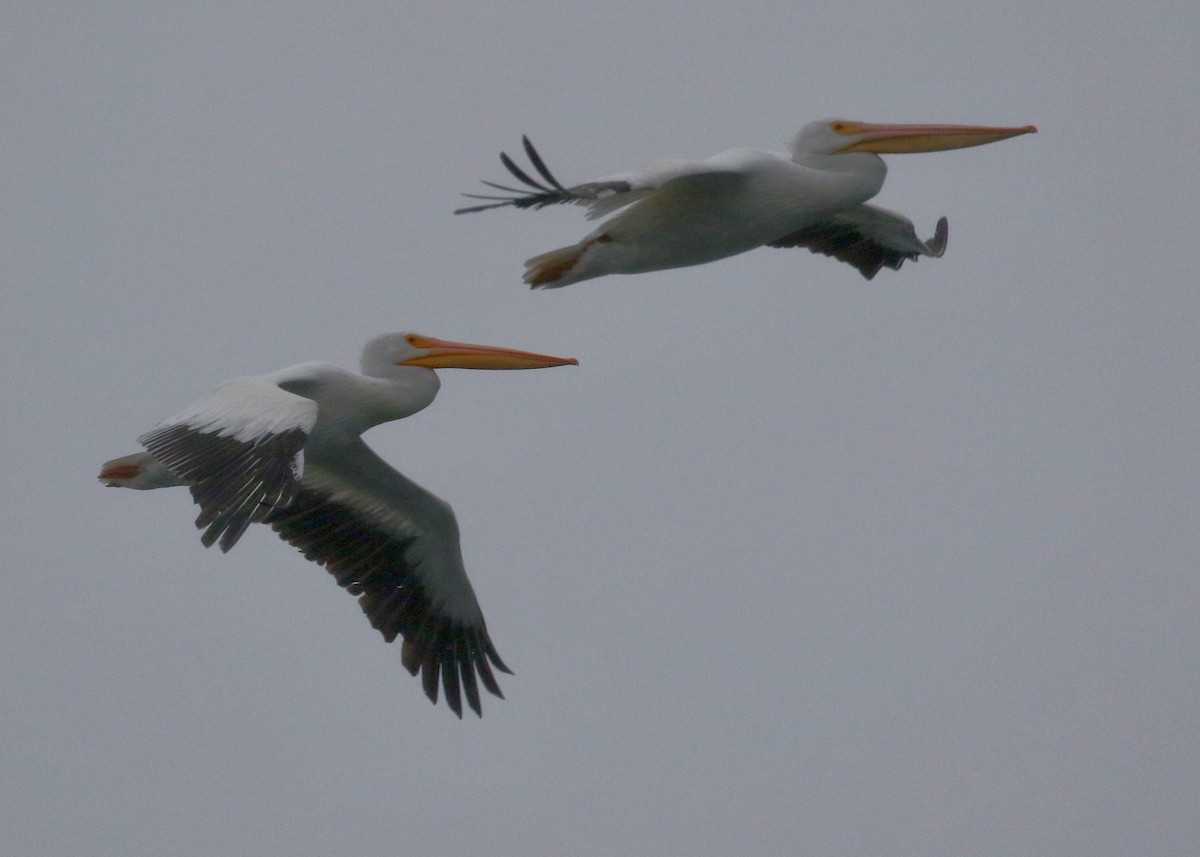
<point x="349" y="403"/>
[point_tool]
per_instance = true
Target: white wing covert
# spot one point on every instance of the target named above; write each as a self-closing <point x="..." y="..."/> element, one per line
<point x="240" y="452"/>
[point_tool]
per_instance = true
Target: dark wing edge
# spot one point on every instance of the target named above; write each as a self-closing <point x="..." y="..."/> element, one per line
<point x="855" y="245"/>
<point x="549" y="191"/>
<point x="234" y="482"/>
<point x="376" y="566"/>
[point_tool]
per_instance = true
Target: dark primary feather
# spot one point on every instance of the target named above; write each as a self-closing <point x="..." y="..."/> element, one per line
<point x="538" y="163"/>
<point x="847" y="243"/>
<point x="541" y="195"/>
<point x="235" y="483"/>
<point x="374" y="565"/>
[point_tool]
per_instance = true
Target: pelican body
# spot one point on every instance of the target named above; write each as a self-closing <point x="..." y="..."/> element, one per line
<point x="679" y="213"/>
<point x="284" y="449"/>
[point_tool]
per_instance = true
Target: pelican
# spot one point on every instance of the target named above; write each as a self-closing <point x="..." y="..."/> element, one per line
<point x="685" y="213"/>
<point x="284" y="449"/>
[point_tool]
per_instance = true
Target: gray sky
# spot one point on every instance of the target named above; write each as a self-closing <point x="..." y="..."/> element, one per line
<point x="792" y="563"/>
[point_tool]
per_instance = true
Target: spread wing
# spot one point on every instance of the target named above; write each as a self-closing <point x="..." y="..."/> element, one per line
<point x="395" y="546"/>
<point x="240" y="452"/>
<point x="602" y="196"/>
<point x="539" y="194"/>
<point x="867" y="237"/>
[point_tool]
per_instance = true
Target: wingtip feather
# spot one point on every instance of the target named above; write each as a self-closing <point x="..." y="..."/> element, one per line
<point x="941" y="235"/>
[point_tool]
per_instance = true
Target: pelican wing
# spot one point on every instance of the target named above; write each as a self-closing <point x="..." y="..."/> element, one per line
<point x="548" y="191"/>
<point x="602" y="196"/>
<point x="240" y="452"/>
<point x="395" y="546"/>
<point x="867" y="237"/>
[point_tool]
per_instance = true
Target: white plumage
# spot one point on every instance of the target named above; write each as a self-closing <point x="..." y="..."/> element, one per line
<point x="284" y="449"/>
<point x="679" y="213"/>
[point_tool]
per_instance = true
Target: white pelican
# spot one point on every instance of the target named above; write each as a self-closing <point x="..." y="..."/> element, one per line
<point x="691" y="212"/>
<point x="284" y="449"/>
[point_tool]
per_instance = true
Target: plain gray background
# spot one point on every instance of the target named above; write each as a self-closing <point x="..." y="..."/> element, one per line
<point x="792" y="563"/>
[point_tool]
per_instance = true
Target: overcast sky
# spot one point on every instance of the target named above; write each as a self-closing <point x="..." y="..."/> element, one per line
<point x="792" y="563"/>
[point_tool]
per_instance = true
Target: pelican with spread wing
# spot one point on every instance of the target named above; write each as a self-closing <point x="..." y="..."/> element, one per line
<point x="284" y="449"/>
<point x="676" y="213"/>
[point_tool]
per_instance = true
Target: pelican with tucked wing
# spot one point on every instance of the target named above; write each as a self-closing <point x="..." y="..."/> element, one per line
<point x="679" y="212"/>
<point x="284" y="449"/>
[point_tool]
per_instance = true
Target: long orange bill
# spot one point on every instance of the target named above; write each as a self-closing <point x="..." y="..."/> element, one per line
<point x="903" y="139"/>
<point x="443" y="354"/>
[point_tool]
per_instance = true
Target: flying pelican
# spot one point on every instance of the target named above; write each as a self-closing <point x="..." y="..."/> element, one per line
<point x="284" y="449"/>
<point x="691" y="212"/>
